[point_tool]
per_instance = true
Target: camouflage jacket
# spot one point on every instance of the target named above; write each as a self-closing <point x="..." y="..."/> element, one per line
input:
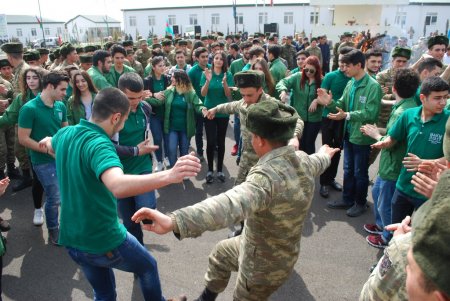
<point x="143" y="57"/>
<point x="274" y="201"/>
<point x="137" y="66"/>
<point x="17" y="73"/>
<point x="8" y="87"/>
<point x="385" y="79"/>
<point x="249" y="157"/>
<point x="316" y="52"/>
<point x="288" y="53"/>
<point x="387" y="281"/>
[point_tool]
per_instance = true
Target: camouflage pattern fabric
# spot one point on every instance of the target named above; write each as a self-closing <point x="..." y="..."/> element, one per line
<point x="17" y="73"/>
<point x="143" y="57"/>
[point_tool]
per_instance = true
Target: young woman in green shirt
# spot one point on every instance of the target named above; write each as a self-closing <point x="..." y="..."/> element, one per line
<point x="80" y="103"/>
<point x="216" y="85"/>
<point x="269" y="84"/>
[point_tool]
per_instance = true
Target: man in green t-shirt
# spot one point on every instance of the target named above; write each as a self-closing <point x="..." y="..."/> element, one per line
<point x="118" y="68"/>
<point x="277" y="68"/>
<point x="423" y="129"/>
<point x="101" y="64"/>
<point x="91" y="177"/>
<point x="41" y="117"/>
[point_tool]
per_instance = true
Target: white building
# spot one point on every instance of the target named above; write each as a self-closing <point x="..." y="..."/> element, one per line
<point x="27" y="29"/>
<point x="314" y="17"/>
<point x="91" y="28"/>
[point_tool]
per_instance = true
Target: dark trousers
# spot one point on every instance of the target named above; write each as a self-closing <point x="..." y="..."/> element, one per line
<point x="403" y="205"/>
<point x="199" y="133"/>
<point x="216" y="130"/>
<point x="37" y="191"/>
<point x="356" y="172"/>
<point x="332" y="134"/>
<point x="309" y="136"/>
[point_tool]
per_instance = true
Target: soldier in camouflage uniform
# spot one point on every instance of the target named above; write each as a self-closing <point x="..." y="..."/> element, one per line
<point x="135" y="64"/>
<point x="6" y="70"/>
<point x="253" y="81"/>
<point x="347" y="41"/>
<point x="143" y="54"/>
<point x="288" y="53"/>
<point x="274" y="199"/>
<point x="69" y="56"/>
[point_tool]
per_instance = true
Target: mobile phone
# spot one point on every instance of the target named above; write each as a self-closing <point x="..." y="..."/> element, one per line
<point x="147" y="221"/>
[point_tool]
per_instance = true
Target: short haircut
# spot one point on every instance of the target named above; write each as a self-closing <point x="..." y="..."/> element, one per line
<point x="302" y="52"/>
<point x="198" y="44"/>
<point x="372" y="52"/>
<point x="54" y="78"/>
<point x="199" y="51"/>
<point x="275" y="50"/>
<point x="116" y="48"/>
<point x="433" y="84"/>
<point x="234" y="46"/>
<point x="131" y="81"/>
<point x="99" y="56"/>
<point x="180" y="51"/>
<point x="214" y="45"/>
<point x="345" y="50"/>
<point x="109" y="101"/>
<point x="256" y="51"/>
<point x="429" y="64"/>
<point x="406" y="82"/>
<point x="354" y="57"/>
<point x="245" y="45"/>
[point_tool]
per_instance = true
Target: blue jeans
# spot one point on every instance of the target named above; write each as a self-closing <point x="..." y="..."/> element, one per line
<point x="128" y="206"/>
<point x="177" y="139"/>
<point x="46" y="174"/>
<point x="237" y="128"/>
<point x="157" y="128"/>
<point x="382" y="193"/>
<point x="130" y="256"/>
<point x="403" y="205"/>
<point x="199" y="133"/>
<point x="356" y="172"/>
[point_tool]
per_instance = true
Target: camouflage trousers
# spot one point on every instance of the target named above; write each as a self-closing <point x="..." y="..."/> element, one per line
<point x="244" y="167"/>
<point x="7" y="140"/>
<point x="227" y="257"/>
<point x="21" y="154"/>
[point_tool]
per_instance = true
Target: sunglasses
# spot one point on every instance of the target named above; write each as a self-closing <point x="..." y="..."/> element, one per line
<point x="311" y="71"/>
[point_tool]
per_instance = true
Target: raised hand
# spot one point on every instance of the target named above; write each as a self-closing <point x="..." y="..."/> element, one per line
<point x="208" y="75"/>
<point x="323" y="97"/>
<point x="162" y="224"/>
<point x="186" y="166"/>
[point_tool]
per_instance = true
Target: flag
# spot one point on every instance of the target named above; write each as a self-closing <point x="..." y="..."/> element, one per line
<point x="271" y="2"/>
<point x="40" y="23"/>
<point x="234" y="9"/>
<point x="169" y="28"/>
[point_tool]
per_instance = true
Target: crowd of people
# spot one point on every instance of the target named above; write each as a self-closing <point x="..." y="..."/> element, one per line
<point x="100" y="128"/>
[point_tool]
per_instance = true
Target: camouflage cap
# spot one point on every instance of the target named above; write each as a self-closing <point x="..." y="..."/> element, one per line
<point x="156" y="45"/>
<point x="250" y="78"/>
<point x="79" y="49"/>
<point x="401" y="51"/>
<point x="347" y="34"/>
<point x="272" y="120"/>
<point x="43" y="51"/>
<point x="228" y="37"/>
<point x="431" y="235"/>
<point x="437" y="40"/>
<point x="31" y="55"/>
<point x="86" y="58"/>
<point x="204" y="38"/>
<point x="108" y="45"/>
<point x="127" y="43"/>
<point x="130" y="51"/>
<point x="12" y="47"/>
<point x="142" y="41"/>
<point x="166" y="42"/>
<point x="56" y="52"/>
<point x="182" y="42"/>
<point x="90" y="48"/>
<point x="446" y="146"/>
<point x="4" y="63"/>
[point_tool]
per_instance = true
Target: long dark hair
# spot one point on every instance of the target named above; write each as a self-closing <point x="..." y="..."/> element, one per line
<point x="224" y="59"/>
<point x="314" y="61"/>
<point x="155" y="61"/>
<point x="76" y="92"/>
<point x="182" y="81"/>
<point x="267" y="75"/>
<point x="23" y="81"/>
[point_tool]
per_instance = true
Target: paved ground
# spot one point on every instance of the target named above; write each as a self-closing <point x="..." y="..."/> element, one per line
<point x="334" y="260"/>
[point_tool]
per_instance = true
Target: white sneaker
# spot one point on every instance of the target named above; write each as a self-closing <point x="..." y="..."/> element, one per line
<point x="38" y="218"/>
<point x="167" y="162"/>
<point x="159" y="166"/>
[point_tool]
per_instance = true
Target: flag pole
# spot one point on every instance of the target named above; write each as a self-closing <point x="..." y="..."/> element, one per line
<point x="42" y="25"/>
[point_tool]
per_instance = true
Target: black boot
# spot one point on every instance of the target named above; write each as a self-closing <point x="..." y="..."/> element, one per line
<point x="13" y="172"/>
<point x="207" y="295"/>
<point x="24" y="182"/>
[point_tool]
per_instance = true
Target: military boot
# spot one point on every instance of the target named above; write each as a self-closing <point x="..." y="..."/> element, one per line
<point x="12" y="172"/>
<point x="24" y="182"/>
<point x="207" y="295"/>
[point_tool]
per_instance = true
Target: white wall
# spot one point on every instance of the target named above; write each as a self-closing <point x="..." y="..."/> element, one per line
<point x="78" y="32"/>
<point x="26" y="31"/>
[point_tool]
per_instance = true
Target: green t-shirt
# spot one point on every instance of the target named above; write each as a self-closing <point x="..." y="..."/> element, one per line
<point x="423" y="139"/>
<point x="158" y="86"/>
<point x="88" y="218"/>
<point x="236" y="66"/>
<point x="417" y="96"/>
<point x="43" y="121"/>
<point x="391" y="158"/>
<point x="216" y="94"/>
<point x="178" y="113"/>
<point x="335" y="82"/>
<point x="132" y="134"/>
<point x="195" y="75"/>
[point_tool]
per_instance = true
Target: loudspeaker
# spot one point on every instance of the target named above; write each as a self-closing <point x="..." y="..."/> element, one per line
<point x="197" y="29"/>
<point x="271" y="27"/>
<point x="176" y="29"/>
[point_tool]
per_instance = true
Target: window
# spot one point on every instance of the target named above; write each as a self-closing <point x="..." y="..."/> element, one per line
<point x="314" y="18"/>
<point x="132" y="21"/>
<point x="262" y="17"/>
<point x="431" y="19"/>
<point x="193" y="20"/>
<point x="59" y="30"/>
<point x="400" y="19"/>
<point x="19" y="32"/>
<point x="215" y="19"/>
<point x="240" y="18"/>
<point x="47" y="31"/>
<point x="151" y="21"/>
<point x="33" y="32"/>
<point x="172" y="20"/>
<point x="288" y="18"/>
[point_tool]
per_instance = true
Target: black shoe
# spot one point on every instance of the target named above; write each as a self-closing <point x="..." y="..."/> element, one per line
<point x="338" y="205"/>
<point x="13" y="172"/>
<point x="23" y="183"/>
<point x="336" y="186"/>
<point x="356" y="210"/>
<point x="324" y="191"/>
<point x="207" y="295"/>
<point x="221" y="177"/>
<point x="209" y="177"/>
<point x="4" y="225"/>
